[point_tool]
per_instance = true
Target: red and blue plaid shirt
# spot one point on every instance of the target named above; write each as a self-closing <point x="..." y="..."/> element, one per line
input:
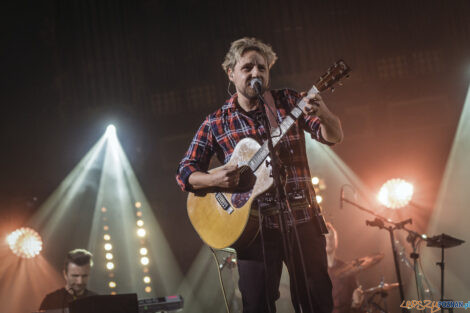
<point x="222" y="130"/>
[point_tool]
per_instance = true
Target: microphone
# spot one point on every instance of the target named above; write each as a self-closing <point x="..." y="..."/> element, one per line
<point x="256" y="84"/>
<point x="342" y="198"/>
<point x="403" y="223"/>
<point x="375" y="223"/>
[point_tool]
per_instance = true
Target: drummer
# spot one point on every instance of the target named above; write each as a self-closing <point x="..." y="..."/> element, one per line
<point x="347" y="295"/>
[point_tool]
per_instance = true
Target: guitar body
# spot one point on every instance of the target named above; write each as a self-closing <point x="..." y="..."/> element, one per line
<point x="234" y="226"/>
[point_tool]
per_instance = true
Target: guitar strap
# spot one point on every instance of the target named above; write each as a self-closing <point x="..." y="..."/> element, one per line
<point x="271" y="110"/>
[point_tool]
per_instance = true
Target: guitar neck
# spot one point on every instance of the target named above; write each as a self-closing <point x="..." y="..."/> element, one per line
<point x="333" y="75"/>
<point x="278" y="133"/>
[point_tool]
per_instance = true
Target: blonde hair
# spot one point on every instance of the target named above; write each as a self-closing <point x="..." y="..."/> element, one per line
<point x="240" y="46"/>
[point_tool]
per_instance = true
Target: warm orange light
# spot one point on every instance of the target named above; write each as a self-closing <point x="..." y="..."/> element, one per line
<point x="395" y="193"/>
<point x="103" y="209"/>
<point x="148" y="289"/>
<point x="25" y="242"/>
<point x="138" y="204"/>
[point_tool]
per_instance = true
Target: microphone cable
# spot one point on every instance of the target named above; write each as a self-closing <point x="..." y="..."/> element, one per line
<point x="219" y="271"/>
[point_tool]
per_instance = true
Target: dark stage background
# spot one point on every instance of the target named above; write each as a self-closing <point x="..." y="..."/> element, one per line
<point x="152" y="68"/>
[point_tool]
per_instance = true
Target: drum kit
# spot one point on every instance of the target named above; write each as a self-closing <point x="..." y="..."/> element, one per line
<point x="350" y="268"/>
<point x="354" y="267"/>
<point x="377" y="294"/>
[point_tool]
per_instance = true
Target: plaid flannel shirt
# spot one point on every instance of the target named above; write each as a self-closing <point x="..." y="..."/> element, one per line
<point x="223" y="129"/>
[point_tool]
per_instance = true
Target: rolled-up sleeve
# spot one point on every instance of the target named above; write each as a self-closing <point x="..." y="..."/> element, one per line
<point x="311" y="124"/>
<point x="198" y="156"/>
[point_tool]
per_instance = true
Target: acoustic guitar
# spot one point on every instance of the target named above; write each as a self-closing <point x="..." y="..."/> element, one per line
<point x="223" y="218"/>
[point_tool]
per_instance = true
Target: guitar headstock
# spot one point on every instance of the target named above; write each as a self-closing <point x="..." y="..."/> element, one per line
<point x="333" y="75"/>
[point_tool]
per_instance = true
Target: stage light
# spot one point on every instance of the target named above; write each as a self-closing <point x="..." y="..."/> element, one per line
<point x="25" y="242"/>
<point x="315" y="180"/>
<point x="138" y="213"/>
<point x="110" y="266"/>
<point x="108" y="247"/>
<point x="319" y="199"/>
<point x="148" y="289"/>
<point x="143" y="251"/>
<point x="147" y="279"/>
<point x="138" y="204"/>
<point x="103" y="209"/>
<point x="107" y="237"/>
<point x="395" y="193"/>
<point x="112" y="284"/>
<point x="110" y="130"/>
<point x="109" y="256"/>
<point x="140" y="223"/>
<point x="105" y="227"/>
<point x="144" y="260"/>
<point x="141" y="232"/>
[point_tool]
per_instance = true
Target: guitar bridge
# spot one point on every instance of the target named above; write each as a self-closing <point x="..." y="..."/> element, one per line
<point x="223" y="202"/>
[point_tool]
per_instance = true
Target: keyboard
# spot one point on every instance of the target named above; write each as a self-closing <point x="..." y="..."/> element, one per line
<point x="153" y="305"/>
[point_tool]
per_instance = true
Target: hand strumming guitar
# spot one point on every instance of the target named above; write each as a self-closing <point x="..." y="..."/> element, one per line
<point x="226" y="176"/>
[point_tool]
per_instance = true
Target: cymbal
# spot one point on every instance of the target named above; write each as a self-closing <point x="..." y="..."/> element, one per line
<point x="382" y="287"/>
<point x="444" y="241"/>
<point x="357" y="265"/>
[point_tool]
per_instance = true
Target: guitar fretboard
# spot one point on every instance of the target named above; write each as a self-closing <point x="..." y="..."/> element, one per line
<point x="279" y="132"/>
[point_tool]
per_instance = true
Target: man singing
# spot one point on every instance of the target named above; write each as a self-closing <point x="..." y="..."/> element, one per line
<point x="260" y="263"/>
<point x="76" y="271"/>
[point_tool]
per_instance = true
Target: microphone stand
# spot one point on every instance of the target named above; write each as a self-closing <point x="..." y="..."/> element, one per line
<point x="283" y="205"/>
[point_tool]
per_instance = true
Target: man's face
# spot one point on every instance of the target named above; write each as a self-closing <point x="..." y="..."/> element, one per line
<point x="76" y="277"/>
<point x="251" y="65"/>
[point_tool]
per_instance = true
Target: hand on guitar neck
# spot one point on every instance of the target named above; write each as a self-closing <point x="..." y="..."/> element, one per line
<point x="226" y="176"/>
<point x="330" y="123"/>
